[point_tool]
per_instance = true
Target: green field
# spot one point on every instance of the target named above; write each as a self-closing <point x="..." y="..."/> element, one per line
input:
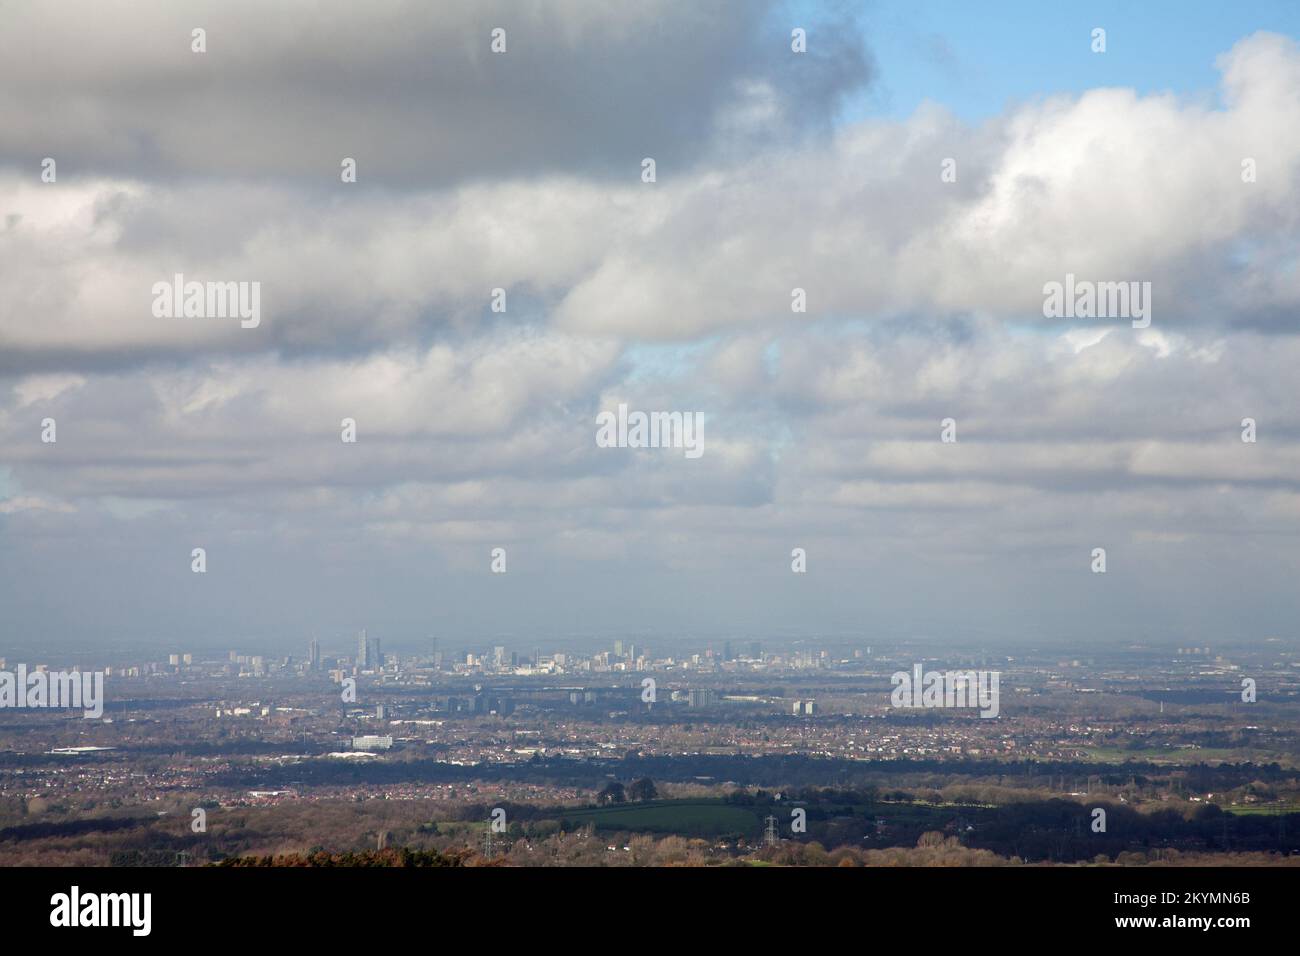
<point x="691" y="817"/>
<point x="1187" y="756"/>
<point x="1264" y="810"/>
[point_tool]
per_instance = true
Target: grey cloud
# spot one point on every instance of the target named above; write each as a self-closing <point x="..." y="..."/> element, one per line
<point x="861" y="222"/>
<point x="408" y="89"/>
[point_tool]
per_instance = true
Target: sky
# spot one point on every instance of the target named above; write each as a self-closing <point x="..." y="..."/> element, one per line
<point x="977" y="59"/>
<point x="921" y="172"/>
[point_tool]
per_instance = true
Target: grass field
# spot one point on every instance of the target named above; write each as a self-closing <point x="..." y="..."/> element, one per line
<point x="1264" y="810"/>
<point x="1186" y="756"/>
<point x="691" y="817"/>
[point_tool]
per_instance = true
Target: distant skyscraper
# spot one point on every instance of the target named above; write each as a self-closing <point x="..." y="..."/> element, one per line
<point x="701" y="697"/>
<point x="363" y="651"/>
<point x="313" y="655"/>
<point x="376" y="653"/>
<point x="618" y="648"/>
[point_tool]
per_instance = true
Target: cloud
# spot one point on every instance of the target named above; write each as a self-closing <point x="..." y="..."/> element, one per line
<point x="476" y="428"/>
<point x="1107" y="186"/>
<point x="411" y="91"/>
